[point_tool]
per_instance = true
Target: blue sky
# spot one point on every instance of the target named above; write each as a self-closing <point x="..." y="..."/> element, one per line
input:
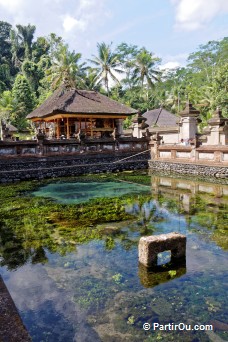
<point x="169" y="28"/>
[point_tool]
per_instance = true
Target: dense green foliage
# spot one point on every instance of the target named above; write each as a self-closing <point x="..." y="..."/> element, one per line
<point x="31" y="69"/>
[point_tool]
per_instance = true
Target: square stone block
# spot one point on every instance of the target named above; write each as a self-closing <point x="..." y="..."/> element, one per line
<point x="150" y="246"/>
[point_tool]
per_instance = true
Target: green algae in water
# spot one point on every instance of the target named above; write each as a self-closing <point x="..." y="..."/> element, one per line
<point x="83" y="192"/>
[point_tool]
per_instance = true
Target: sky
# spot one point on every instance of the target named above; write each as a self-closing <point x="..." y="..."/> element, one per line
<point x="171" y="29"/>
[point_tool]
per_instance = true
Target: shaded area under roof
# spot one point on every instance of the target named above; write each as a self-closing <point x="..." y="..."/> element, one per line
<point x="73" y="101"/>
<point x="160" y="117"/>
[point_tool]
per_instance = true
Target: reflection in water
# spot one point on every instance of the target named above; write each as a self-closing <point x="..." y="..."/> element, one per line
<point x="75" y="273"/>
<point x="155" y="276"/>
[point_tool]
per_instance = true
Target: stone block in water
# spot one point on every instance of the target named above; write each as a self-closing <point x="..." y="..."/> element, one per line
<point x="150" y="246"/>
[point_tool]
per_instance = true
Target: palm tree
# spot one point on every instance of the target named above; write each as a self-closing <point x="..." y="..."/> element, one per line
<point x="107" y="63"/>
<point x="143" y="66"/>
<point x="91" y="82"/>
<point x="21" y="43"/>
<point x="16" y="49"/>
<point x="175" y="99"/>
<point x="26" y="35"/>
<point x="65" y="68"/>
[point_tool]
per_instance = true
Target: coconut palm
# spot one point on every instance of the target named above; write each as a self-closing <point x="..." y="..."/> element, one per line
<point x="26" y="35"/>
<point x="65" y="68"/>
<point x="144" y="68"/>
<point x="107" y="63"/>
<point x="91" y="82"/>
<point x="21" y="43"/>
<point x="175" y="99"/>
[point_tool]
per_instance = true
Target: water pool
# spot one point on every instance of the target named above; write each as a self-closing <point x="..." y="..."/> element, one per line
<point x="89" y="287"/>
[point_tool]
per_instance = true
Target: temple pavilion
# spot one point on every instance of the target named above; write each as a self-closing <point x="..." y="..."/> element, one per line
<point x="68" y="112"/>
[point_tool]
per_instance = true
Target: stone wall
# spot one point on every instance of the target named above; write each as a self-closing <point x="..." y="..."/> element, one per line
<point x="43" y="147"/>
<point x="189" y="168"/>
<point x="209" y="161"/>
<point x="28" y="168"/>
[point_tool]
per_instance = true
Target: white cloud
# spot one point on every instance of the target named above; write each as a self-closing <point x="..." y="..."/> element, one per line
<point x="173" y="61"/>
<point x="11" y="5"/>
<point x="195" y="14"/>
<point x="85" y="4"/>
<point x="169" y="65"/>
<point x="65" y="18"/>
<point x="70" y="23"/>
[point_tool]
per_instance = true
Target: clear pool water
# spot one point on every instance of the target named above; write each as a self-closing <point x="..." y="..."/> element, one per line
<point x="99" y="292"/>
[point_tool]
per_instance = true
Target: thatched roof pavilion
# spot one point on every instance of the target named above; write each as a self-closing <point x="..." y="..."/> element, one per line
<point x="73" y="110"/>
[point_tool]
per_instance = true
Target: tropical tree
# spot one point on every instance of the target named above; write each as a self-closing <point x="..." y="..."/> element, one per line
<point x="40" y="49"/>
<point x="5" y="56"/>
<point x="35" y="72"/>
<point x="220" y="89"/>
<point x="91" y="80"/>
<point x="5" y="29"/>
<point x="16" y="50"/>
<point x="24" y="96"/>
<point x="8" y="108"/>
<point x="5" y="77"/>
<point x="203" y="62"/>
<point x="127" y="55"/>
<point x="65" y="69"/>
<point x="21" y="44"/>
<point x="175" y="99"/>
<point x="107" y="64"/>
<point x="144" y="68"/>
<point x="26" y="35"/>
<point x="54" y="43"/>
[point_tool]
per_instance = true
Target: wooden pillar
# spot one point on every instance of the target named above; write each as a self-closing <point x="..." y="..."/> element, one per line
<point x="91" y="128"/>
<point x="68" y="130"/>
<point x="85" y="127"/>
<point x="54" y="128"/>
<point x="58" y="133"/>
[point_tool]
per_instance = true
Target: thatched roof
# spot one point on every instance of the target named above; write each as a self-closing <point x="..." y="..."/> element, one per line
<point x="160" y="117"/>
<point x="73" y="101"/>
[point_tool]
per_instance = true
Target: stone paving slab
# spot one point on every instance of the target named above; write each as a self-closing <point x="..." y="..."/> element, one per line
<point x="12" y="328"/>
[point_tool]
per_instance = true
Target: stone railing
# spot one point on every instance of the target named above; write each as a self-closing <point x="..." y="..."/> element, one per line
<point x="191" y="154"/>
<point x="43" y="147"/>
<point x="203" y="161"/>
